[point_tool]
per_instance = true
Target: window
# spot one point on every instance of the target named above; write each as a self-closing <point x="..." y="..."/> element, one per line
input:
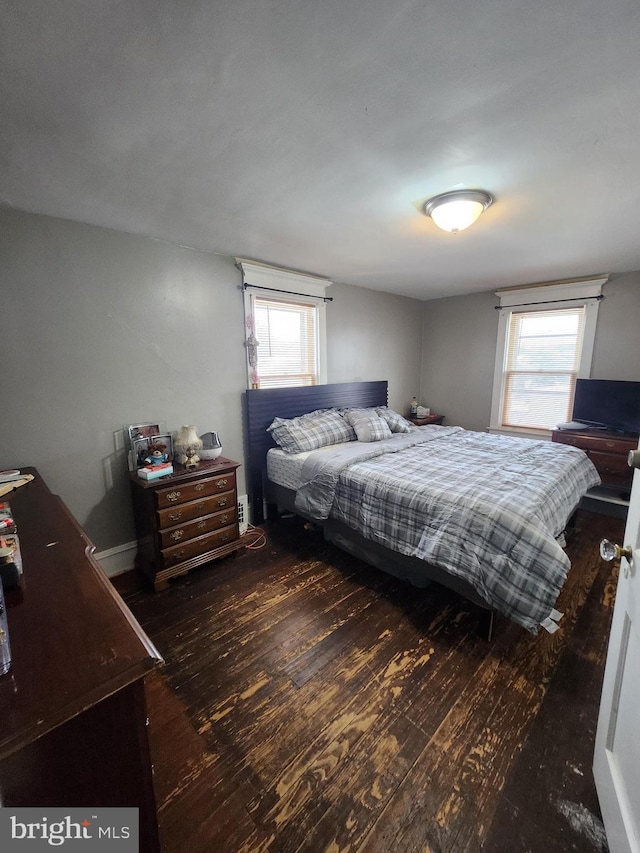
<point x="287" y="334"/>
<point x="285" y="324"/>
<point x="543" y="356"/>
<point x="545" y="341"/>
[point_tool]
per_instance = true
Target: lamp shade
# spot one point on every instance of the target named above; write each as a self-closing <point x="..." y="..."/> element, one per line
<point x="454" y="211"/>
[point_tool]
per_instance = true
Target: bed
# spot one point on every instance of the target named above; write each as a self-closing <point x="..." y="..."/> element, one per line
<point x="481" y="514"/>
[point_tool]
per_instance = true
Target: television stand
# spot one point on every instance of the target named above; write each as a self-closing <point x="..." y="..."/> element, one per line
<point x="608" y="451"/>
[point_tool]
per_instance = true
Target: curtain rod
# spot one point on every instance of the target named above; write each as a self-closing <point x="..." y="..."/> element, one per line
<point x="288" y="292"/>
<point x="549" y="302"/>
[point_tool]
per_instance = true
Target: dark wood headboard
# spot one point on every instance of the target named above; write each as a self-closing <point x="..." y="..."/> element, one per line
<point x="265" y="404"/>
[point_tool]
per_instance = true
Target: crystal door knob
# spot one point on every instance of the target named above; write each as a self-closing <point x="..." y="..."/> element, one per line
<point x="610" y="551"/>
<point x="633" y="459"/>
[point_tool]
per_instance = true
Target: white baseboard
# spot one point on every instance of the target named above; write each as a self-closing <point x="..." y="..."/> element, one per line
<point x="116" y="561"/>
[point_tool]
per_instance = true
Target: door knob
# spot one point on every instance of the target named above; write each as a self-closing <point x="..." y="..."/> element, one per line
<point x="633" y="459"/>
<point x="610" y="551"/>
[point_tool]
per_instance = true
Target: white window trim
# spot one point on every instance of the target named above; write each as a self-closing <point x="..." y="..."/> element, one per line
<point x="302" y="287"/>
<point x="544" y="297"/>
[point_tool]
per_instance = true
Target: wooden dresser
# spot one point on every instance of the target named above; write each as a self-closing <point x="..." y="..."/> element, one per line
<point x="72" y="705"/>
<point x="186" y="519"/>
<point x="607" y="450"/>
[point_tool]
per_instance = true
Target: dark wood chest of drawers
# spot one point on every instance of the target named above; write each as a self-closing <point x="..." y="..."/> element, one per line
<point x="73" y="708"/>
<point x="186" y="519"/>
<point x="607" y="450"/>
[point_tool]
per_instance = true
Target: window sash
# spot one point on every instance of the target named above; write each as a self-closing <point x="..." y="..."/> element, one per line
<point x="547" y="296"/>
<point x="542" y="361"/>
<point x="287" y="331"/>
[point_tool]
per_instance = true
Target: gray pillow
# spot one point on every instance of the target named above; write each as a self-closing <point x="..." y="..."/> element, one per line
<point x="395" y="421"/>
<point x="310" y="431"/>
<point x="369" y="426"/>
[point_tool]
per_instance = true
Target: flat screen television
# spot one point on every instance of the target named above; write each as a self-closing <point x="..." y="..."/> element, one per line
<point x="608" y="403"/>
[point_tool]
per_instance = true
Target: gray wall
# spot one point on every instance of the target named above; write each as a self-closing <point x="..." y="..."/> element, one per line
<point x="459" y="346"/>
<point x="374" y="335"/>
<point x="616" y="353"/>
<point x="102" y="329"/>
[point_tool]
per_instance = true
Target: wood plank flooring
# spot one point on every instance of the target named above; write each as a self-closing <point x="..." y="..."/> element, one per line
<point x="311" y="703"/>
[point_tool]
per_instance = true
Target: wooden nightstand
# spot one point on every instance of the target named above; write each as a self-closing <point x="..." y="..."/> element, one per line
<point x="186" y="519"/>
<point x="430" y="419"/>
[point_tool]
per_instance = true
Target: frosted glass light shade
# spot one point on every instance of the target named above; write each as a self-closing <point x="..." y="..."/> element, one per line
<point x="457" y="210"/>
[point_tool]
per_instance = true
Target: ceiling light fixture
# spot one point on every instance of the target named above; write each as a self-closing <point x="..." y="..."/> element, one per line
<point x="456" y="210"/>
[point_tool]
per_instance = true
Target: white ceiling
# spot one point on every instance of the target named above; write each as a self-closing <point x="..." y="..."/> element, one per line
<point x="307" y="133"/>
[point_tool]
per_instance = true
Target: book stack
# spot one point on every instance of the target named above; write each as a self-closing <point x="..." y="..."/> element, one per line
<point x="152" y="472"/>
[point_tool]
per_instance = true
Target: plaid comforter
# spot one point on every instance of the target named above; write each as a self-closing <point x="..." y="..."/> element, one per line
<point x="488" y="508"/>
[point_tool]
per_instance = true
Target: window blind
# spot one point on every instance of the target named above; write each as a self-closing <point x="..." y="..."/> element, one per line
<point x="542" y="359"/>
<point x="288" y="342"/>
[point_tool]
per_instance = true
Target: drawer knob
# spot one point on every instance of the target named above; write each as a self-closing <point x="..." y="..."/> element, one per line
<point x="221" y="483"/>
<point x="201" y="524"/>
<point x="222" y="502"/>
<point x="175" y="516"/>
<point x="174" y="496"/>
<point x="224" y="518"/>
<point x="198" y="487"/>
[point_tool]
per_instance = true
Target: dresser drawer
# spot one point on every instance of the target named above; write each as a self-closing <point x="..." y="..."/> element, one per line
<point x="199" y="546"/>
<point x="183" y="532"/>
<point x="178" y="494"/>
<point x="180" y="513"/>
<point x="612" y="467"/>
<point x="605" y="444"/>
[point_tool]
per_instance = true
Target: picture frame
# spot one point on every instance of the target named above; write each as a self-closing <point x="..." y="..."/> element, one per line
<point x="140" y="448"/>
<point x="134" y="432"/>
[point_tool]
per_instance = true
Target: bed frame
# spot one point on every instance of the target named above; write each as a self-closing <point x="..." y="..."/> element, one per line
<point x="261" y="407"/>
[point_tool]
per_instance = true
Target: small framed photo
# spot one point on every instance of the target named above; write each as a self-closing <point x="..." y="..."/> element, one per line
<point x="152" y="450"/>
<point x="134" y="432"/>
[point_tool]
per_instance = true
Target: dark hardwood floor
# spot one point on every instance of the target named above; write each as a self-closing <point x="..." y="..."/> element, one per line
<point x="311" y="703"/>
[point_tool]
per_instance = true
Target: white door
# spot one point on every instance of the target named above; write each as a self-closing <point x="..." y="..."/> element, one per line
<point x="616" y="764"/>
